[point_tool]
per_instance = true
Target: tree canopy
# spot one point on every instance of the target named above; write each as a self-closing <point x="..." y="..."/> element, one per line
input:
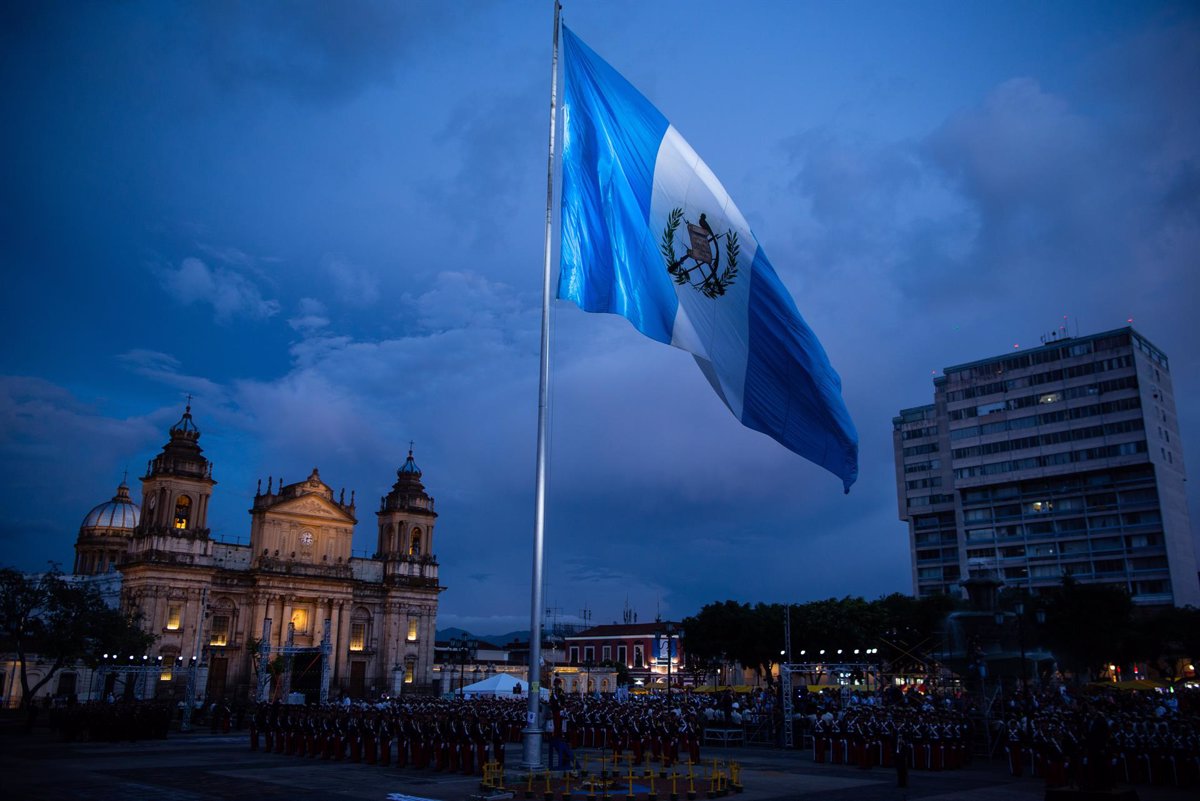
<point x="1086" y="627"/>
<point x="729" y="631"/>
<point x="61" y="622"/>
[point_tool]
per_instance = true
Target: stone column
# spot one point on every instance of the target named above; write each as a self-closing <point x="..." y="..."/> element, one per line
<point x="341" y="671"/>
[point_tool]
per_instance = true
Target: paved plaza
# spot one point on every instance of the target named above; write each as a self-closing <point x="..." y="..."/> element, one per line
<point x="205" y="767"/>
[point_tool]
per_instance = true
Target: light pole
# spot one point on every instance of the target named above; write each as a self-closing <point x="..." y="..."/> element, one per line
<point x="1020" y="610"/>
<point x="668" y="663"/>
<point x="464" y="648"/>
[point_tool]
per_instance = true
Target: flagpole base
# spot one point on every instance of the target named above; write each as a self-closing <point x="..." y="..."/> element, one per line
<point x="531" y="760"/>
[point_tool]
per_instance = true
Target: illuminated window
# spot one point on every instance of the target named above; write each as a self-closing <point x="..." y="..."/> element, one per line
<point x="410" y="669"/>
<point x="414" y="544"/>
<point x="300" y="620"/>
<point x="358" y="636"/>
<point x="219" y="634"/>
<point x="1050" y="397"/>
<point x="174" y="614"/>
<point x="183" y="511"/>
<point x="412" y="629"/>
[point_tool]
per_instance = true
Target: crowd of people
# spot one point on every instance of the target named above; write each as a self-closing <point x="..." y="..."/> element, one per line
<point x="461" y="735"/>
<point x="1092" y="738"/>
<point x="1097" y="738"/>
<point x="887" y="729"/>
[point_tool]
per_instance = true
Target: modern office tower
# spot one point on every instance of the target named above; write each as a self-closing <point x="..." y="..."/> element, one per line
<point x="1060" y="459"/>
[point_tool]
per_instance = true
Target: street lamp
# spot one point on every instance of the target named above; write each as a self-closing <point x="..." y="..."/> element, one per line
<point x="463" y="648"/>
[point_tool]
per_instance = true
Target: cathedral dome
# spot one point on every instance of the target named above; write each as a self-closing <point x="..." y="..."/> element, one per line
<point x="119" y="513"/>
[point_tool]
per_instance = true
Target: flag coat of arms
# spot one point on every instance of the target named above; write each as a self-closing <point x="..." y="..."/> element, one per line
<point x="649" y="233"/>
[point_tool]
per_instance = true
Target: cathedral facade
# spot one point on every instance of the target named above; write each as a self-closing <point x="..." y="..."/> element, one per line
<point x="294" y="606"/>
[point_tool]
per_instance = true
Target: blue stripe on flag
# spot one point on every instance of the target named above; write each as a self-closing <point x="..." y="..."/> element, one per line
<point x="792" y="393"/>
<point x="609" y="260"/>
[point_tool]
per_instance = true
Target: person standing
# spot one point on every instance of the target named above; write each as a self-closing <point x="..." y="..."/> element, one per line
<point x="903" y="755"/>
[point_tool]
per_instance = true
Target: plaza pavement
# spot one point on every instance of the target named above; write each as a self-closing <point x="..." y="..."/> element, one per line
<point x="203" y="767"/>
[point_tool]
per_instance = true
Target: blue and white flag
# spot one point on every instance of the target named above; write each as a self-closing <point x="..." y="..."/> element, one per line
<point x="649" y="233"/>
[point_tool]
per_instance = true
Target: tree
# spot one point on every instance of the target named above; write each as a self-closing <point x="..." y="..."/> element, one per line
<point x="716" y="634"/>
<point x="61" y="622"/>
<point x="1087" y="624"/>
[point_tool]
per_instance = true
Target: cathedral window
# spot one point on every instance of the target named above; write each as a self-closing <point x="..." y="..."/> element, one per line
<point x="360" y="629"/>
<point x="358" y="636"/>
<point x="414" y="544"/>
<point x="219" y="633"/>
<point x="412" y="629"/>
<point x="167" y="670"/>
<point x="183" y="511"/>
<point x="174" y="615"/>
<point x="300" y="620"/>
<point x="410" y="669"/>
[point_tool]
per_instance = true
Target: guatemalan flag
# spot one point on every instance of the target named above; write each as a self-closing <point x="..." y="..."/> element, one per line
<point x="649" y="233"/>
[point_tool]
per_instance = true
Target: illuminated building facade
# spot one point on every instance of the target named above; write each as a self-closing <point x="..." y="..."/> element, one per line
<point x="1061" y="459"/>
<point x="209" y="600"/>
<point x="649" y="651"/>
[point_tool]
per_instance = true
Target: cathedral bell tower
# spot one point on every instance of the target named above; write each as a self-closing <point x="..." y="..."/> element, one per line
<point x="177" y="486"/>
<point x="406" y="520"/>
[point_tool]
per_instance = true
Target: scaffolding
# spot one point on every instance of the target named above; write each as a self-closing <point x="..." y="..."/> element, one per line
<point x="289" y="651"/>
<point x="135" y="681"/>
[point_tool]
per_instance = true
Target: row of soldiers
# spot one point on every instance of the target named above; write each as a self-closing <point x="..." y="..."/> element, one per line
<point x="658" y="728"/>
<point x="869" y="736"/>
<point x="1084" y="747"/>
<point x="424" y="735"/>
<point x="460" y="735"/>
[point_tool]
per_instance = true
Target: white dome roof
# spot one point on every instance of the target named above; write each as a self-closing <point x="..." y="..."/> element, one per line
<point x="120" y="512"/>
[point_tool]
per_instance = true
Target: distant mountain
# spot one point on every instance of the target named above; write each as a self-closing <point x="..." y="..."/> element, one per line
<point x="494" y="639"/>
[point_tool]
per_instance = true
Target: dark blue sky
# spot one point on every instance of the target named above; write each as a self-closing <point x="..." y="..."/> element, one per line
<point x="325" y="221"/>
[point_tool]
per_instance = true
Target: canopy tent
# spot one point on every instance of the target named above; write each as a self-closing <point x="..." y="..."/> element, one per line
<point x="501" y="684"/>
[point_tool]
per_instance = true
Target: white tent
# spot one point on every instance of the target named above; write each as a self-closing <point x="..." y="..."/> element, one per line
<point x="499" y="685"/>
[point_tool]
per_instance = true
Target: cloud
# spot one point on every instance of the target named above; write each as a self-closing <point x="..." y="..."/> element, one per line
<point x="163" y="368"/>
<point x="229" y="293"/>
<point x="311" y="316"/>
<point x="352" y="285"/>
<point x="314" y="52"/>
<point x="39" y="423"/>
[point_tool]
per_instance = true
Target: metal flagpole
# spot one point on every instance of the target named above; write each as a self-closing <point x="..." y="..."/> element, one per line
<point x="533" y="733"/>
